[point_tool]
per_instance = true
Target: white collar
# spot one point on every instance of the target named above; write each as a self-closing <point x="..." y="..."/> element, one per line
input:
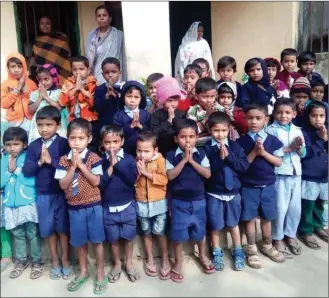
<point x="215" y="143"/>
<point x="180" y="151"/>
<point x="261" y="133"/>
<point x="49" y="140"/>
<point x="120" y="154"/>
<point x="82" y="154"/>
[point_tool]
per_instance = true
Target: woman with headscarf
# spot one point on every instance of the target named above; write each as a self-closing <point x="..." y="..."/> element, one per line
<point x="50" y="48"/>
<point x="193" y="46"/>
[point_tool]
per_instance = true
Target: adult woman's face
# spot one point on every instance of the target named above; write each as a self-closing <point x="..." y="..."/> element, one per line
<point x="200" y="32"/>
<point x="102" y="17"/>
<point x="45" y="25"/>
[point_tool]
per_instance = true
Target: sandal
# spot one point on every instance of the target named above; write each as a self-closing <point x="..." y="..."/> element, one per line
<point x="295" y="248"/>
<point x="176" y="277"/>
<point x="100" y="286"/>
<point x="36" y="272"/>
<point x="238" y="257"/>
<point x="114" y="275"/>
<point x="67" y="272"/>
<point x="18" y="270"/>
<point x="323" y="235"/>
<point x="55" y="273"/>
<point x="208" y="267"/>
<point x="309" y="241"/>
<point x="165" y="273"/>
<point x="133" y="275"/>
<point x="77" y="282"/>
<point x="286" y="252"/>
<point x="150" y="270"/>
<point x="273" y="254"/>
<point x="253" y="257"/>
<point x="218" y="258"/>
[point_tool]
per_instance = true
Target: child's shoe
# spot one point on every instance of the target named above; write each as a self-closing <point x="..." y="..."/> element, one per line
<point x="218" y="258"/>
<point x="238" y="257"/>
<point x="253" y="257"/>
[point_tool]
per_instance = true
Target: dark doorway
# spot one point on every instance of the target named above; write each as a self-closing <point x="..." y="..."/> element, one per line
<point x="182" y="14"/>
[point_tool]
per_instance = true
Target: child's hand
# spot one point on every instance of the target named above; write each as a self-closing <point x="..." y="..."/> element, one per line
<point x="301" y="107"/>
<point x="42" y="91"/>
<point x="46" y="155"/>
<point x="223" y="153"/>
<point x="187" y="154"/>
<point x="296" y="144"/>
<point x="12" y="164"/>
<point x="210" y="109"/>
<point x="141" y="167"/>
<point x="323" y="133"/>
<point x="135" y="120"/>
<point x="110" y="89"/>
<point x="171" y="114"/>
<point x="190" y="157"/>
<point x="77" y="158"/>
<point x="21" y="82"/>
<point x="78" y="85"/>
<point x="114" y="159"/>
<point x="260" y="147"/>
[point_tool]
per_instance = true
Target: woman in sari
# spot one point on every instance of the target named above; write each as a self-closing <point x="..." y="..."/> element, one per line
<point x="193" y="46"/>
<point x="50" y="48"/>
<point x="105" y="41"/>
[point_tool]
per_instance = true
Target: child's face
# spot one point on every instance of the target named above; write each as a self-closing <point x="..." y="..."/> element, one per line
<point x="272" y="72"/>
<point x="190" y="79"/>
<point x="171" y="103"/>
<point x="205" y="70"/>
<point x="225" y="99"/>
<point x="112" y="143"/>
<point x="219" y="131"/>
<point x="186" y="138"/>
<point x="79" y="68"/>
<point x="111" y="73"/>
<point x="47" y="128"/>
<point x="46" y="80"/>
<point x="145" y="151"/>
<point x="317" y="93"/>
<point x="16" y="70"/>
<point x="256" y="120"/>
<point x="300" y="98"/>
<point x="133" y="99"/>
<point x="152" y="91"/>
<point x="289" y="63"/>
<point x="284" y="114"/>
<point x="205" y="99"/>
<point x="317" y="117"/>
<point x="256" y="72"/>
<point x="79" y="140"/>
<point x="307" y="67"/>
<point x="226" y="73"/>
<point x="14" y="147"/>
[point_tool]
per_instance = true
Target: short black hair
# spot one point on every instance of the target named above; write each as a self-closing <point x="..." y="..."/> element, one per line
<point x="305" y="57"/>
<point x="79" y="123"/>
<point x="271" y="62"/>
<point x="224" y="88"/>
<point x="42" y="69"/>
<point x="103" y="6"/>
<point x="111" y="129"/>
<point x="251" y="63"/>
<point x="186" y="123"/>
<point x="148" y="136"/>
<point x="111" y="60"/>
<point x="49" y="112"/>
<point x="259" y="107"/>
<point x="284" y="101"/>
<point x="193" y="67"/>
<point x="153" y="77"/>
<point x="14" y="134"/>
<point x="82" y="59"/>
<point x="226" y="61"/>
<point x="218" y="118"/>
<point x="318" y="82"/>
<point x="204" y="85"/>
<point x="14" y="60"/>
<point x="203" y="61"/>
<point x="288" y="52"/>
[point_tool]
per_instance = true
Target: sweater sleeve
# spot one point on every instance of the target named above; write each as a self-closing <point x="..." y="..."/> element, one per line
<point x="7" y="98"/>
<point x="5" y="174"/>
<point x="127" y="171"/>
<point x="160" y="177"/>
<point x="65" y="99"/>
<point x="28" y="181"/>
<point x="100" y="100"/>
<point x="308" y="146"/>
<point x="31" y="168"/>
<point x="244" y="99"/>
<point x="117" y="119"/>
<point x="146" y="124"/>
<point x="237" y="159"/>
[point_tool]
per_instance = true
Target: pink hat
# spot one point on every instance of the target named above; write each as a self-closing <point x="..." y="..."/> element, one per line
<point x="167" y="87"/>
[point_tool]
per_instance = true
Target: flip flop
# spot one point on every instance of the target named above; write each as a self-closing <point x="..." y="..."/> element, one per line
<point x="100" y="286"/>
<point x="286" y="252"/>
<point x="208" y="267"/>
<point x="176" y="277"/>
<point x="114" y="275"/>
<point x="324" y="236"/>
<point x="55" y="273"/>
<point x="67" y="272"/>
<point x="295" y="248"/>
<point x="76" y="283"/>
<point x="165" y="273"/>
<point x="150" y="270"/>
<point x="313" y="244"/>
<point x="36" y="272"/>
<point x="133" y="275"/>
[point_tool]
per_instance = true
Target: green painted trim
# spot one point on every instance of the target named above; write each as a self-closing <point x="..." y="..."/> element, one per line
<point x="18" y="29"/>
<point x="77" y="27"/>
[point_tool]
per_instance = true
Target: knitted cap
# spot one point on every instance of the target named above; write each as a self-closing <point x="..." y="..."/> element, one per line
<point x="301" y="85"/>
<point x="167" y="87"/>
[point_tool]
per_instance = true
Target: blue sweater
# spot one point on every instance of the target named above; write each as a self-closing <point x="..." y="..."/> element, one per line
<point x="189" y="184"/>
<point x="131" y="134"/>
<point x="45" y="181"/>
<point x="119" y="188"/>
<point x="260" y="171"/>
<point x="236" y="161"/>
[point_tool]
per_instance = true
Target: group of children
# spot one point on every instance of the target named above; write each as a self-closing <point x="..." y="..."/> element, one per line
<point x="88" y="163"/>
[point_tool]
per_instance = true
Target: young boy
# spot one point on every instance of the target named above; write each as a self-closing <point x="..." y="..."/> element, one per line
<point x="306" y="64"/>
<point x="151" y="200"/>
<point x="227" y="161"/>
<point x="152" y="103"/>
<point x="288" y="179"/>
<point x="79" y="174"/>
<point x="186" y="168"/>
<point x="42" y="158"/>
<point x="317" y="90"/>
<point x="118" y="193"/>
<point x="205" y="90"/>
<point x="289" y="63"/>
<point x="164" y="121"/>
<point x="204" y="64"/>
<point x="258" y="184"/>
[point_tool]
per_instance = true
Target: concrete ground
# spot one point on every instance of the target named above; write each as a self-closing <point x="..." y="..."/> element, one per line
<point x="303" y="276"/>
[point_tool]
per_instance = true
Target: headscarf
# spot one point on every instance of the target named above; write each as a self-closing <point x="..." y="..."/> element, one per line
<point x="124" y="90"/>
<point x="12" y="82"/>
<point x="232" y="86"/>
<point x="53" y="73"/>
<point x="306" y="121"/>
<point x="265" y="81"/>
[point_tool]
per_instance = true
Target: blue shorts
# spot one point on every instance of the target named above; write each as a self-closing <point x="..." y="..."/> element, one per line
<point x="188" y="220"/>
<point x="53" y="215"/>
<point x="221" y="214"/>
<point x="86" y="224"/>
<point x="120" y="224"/>
<point x="153" y="225"/>
<point x="258" y="201"/>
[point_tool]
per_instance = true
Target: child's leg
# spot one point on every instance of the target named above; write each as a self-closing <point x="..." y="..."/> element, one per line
<point x="165" y="266"/>
<point x="176" y="272"/>
<point x="64" y="240"/>
<point x="33" y="236"/>
<point x="318" y="222"/>
<point x="83" y="260"/>
<point x="238" y="255"/>
<point x="150" y="268"/>
<point x="115" y="248"/>
<point x="252" y="253"/>
<point x="133" y="275"/>
<point x="52" y="243"/>
<point x="217" y="251"/>
<point x="208" y="266"/>
<point x="6" y="253"/>
<point x="99" y="250"/>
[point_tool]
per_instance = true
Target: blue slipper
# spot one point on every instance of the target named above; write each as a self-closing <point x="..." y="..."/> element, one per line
<point x="67" y="272"/>
<point x="218" y="258"/>
<point x="238" y="257"/>
<point x="55" y="273"/>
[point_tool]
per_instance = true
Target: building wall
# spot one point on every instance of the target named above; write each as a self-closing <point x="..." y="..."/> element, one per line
<point x="252" y="29"/>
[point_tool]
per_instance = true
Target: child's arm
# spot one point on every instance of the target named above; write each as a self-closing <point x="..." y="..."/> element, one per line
<point x="237" y="160"/>
<point x="157" y="178"/>
<point x="8" y="98"/>
<point x="272" y="159"/>
<point x="5" y="174"/>
<point x="128" y="173"/>
<point x="89" y="94"/>
<point x="66" y="181"/>
<point x="68" y="94"/>
<point x="31" y="167"/>
<point x="244" y="98"/>
<point x="203" y="169"/>
<point x="92" y="176"/>
<point x="173" y="172"/>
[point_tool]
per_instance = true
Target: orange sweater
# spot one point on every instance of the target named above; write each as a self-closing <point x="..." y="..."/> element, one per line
<point x="153" y="190"/>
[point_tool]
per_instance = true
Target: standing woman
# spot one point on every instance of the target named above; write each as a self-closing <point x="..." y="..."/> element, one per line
<point x="103" y="42"/>
<point x="50" y="48"/>
<point x="193" y="46"/>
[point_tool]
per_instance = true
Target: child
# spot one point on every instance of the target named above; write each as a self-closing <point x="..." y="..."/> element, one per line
<point x="288" y="179"/>
<point x="205" y="90"/>
<point x="118" y="192"/>
<point x="79" y="174"/>
<point x="152" y="103"/>
<point x="317" y="90"/>
<point x="132" y="116"/>
<point x="186" y="168"/>
<point x="306" y="64"/>
<point x="258" y="192"/>
<point x="192" y="73"/>
<point x="47" y="94"/>
<point x="227" y="161"/>
<point x="164" y="121"/>
<point x="42" y="158"/>
<point x="20" y="212"/>
<point x="204" y="64"/>
<point x="258" y="88"/>
<point x="15" y="92"/>
<point x="289" y="63"/>
<point x="315" y="175"/>
<point x="151" y="200"/>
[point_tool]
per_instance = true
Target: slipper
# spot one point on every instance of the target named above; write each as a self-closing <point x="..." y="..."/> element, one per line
<point x="273" y="254"/>
<point x="18" y="270"/>
<point x="114" y="275"/>
<point x="176" y="277"/>
<point x="295" y="248"/>
<point x="313" y="244"/>
<point x="323" y="235"/>
<point x="286" y="252"/>
<point x="100" y="286"/>
<point x="5" y="265"/>
<point x="208" y="267"/>
<point x="133" y="275"/>
<point x="253" y="257"/>
<point x="150" y="270"/>
<point x="165" y="273"/>
<point x="55" y="273"/>
<point x="67" y="272"/>
<point x="76" y="283"/>
<point x="36" y="272"/>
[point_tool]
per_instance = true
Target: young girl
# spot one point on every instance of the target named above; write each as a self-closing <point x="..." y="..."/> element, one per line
<point x="132" y="116"/>
<point x="47" y="94"/>
<point x="315" y="175"/>
<point x="20" y="211"/>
